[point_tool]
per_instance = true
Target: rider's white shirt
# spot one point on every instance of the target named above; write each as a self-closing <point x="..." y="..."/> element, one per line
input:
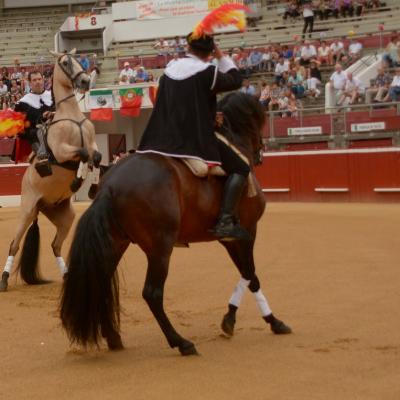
<point x="37" y="100"/>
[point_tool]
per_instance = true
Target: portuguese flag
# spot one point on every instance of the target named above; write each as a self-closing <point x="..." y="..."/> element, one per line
<point x="101" y="105"/>
<point x="131" y="101"/>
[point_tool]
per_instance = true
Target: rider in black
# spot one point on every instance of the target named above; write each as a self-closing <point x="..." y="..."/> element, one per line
<point x="183" y="123"/>
<point x="38" y="106"/>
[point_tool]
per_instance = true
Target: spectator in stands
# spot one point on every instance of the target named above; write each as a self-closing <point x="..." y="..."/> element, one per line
<point x="243" y="64"/>
<point x="355" y="50"/>
<point x="84" y="61"/>
<point x="127" y="71"/>
<point x="314" y="71"/>
<point x="265" y="95"/>
<point x="17" y="75"/>
<point x="254" y="60"/>
<point x="26" y="88"/>
<point x="308" y="53"/>
<point x="338" y="80"/>
<point x="162" y="46"/>
<point x="337" y="51"/>
<point x="287" y="104"/>
<point x="150" y="77"/>
<point x="308" y="16"/>
<point x="291" y="9"/>
<point x="324" y="53"/>
<point x="3" y="87"/>
<point x="394" y="90"/>
<point x="274" y="97"/>
<point x="295" y="84"/>
<point x="359" y="6"/>
<point x="248" y="88"/>
<point x="287" y="53"/>
<point x="379" y="87"/>
<point x="178" y="45"/>
<point x="392" y="52"/>
<point x="280" y="68"/>
<point x="311" y="86"/>
<point x="353" y="89"/>
<point x="347" y="8"/>
<point x="141" y="75"/>
<point x="123" y="80"/>
<point x="15" y="89"/>
<point x="266" y="60"/>
<point x="94" y="73"/>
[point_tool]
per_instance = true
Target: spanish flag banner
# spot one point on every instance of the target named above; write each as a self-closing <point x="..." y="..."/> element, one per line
<point x="131" y="101"/>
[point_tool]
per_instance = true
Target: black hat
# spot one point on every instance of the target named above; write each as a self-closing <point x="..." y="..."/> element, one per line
<point x="204" y="43"/>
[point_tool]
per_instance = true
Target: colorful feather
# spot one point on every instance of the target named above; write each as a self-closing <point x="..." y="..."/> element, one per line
<point x="11" y="123"/>
<point x="225" y="15"/>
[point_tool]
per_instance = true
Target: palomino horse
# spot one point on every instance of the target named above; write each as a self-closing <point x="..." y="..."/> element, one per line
<point x="71" y="142"/>
<point x="156" y="203"/>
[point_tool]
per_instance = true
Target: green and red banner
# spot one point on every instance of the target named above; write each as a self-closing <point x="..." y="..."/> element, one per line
<point x="131" y="101"/>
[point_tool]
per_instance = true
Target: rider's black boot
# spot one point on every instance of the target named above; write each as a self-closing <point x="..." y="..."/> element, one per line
<point x="42" y="165"/>
<point x="228" y="227"/>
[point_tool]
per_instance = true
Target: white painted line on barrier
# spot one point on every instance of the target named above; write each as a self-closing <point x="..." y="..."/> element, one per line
<point x="332" y="190"/>
<point x="276" y="190"/>
<point x="387" y="190"/>
<point x="339" y="151"/>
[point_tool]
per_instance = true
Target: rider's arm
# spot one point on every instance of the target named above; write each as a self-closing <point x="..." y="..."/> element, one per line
<point x="227" y="76"/>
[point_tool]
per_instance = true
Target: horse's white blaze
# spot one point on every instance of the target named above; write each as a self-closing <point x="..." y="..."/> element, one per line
<point x="61" y="264"/>
<point x="262" y="303"/>
<point x="96" y="176"/>
<point x="82" y="170"/>
<point x="238" y="293"/>
<point x="9" y="264"/>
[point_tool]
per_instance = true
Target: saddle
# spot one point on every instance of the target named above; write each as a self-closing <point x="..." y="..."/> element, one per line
<point x="201" y="169"/>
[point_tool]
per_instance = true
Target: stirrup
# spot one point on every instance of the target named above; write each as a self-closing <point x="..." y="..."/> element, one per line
<point x="43" y="168"/>
<point x="228" y="230"/>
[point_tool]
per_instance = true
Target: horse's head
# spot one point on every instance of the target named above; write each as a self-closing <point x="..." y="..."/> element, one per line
<point x="243" y="121"/>
<point x="73" y="74"/>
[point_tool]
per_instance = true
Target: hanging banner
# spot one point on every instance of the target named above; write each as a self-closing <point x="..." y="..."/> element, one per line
<point x="156" y="9"/>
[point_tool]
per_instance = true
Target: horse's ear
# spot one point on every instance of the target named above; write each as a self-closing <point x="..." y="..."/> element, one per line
<point x="73" y="52"/>
<point x="55" y="54"/>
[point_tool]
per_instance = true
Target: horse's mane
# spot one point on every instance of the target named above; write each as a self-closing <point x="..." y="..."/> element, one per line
<point x="243" y="116"/>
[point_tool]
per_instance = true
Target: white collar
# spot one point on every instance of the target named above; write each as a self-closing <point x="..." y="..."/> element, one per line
<point x="185" y="67"/>
<point x="37" y="100"/>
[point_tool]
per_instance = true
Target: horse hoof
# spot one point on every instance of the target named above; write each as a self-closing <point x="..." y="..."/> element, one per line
<point x="76" y="184"/>
<point x="188" y="349"/>
<point x="228" y="324"/>
<point x="83" y="155"/>
<point x="115" y="344"/>
<point x="280" y="328"/>
<point x="93" y="191"/>
<point x="3" y="286"/>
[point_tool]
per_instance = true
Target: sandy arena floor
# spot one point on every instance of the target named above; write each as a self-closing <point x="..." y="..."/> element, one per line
<point x="330" y="271"/>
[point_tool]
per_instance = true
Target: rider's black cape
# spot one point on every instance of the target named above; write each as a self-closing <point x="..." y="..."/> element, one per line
<point x="182" y="122"/>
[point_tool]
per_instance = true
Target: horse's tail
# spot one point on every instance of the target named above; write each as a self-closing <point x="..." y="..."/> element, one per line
<point x="90" y="293"/>
<point x="29" y="260"/>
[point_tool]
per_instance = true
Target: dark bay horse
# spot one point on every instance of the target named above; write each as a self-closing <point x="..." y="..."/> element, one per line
<point x="156" y="203"/>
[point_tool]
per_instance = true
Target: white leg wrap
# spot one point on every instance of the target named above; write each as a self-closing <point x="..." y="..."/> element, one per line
<point x="9" y="264"/>
<point x="82" y="170"/>
<point x="262" y="303"/>
<point x="96" y="176"/>
<point x="61" y="264"/>
<point x="238" y="293"/>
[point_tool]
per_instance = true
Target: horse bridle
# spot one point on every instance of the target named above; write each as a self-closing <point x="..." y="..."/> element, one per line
<point x="67" y="68"/>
